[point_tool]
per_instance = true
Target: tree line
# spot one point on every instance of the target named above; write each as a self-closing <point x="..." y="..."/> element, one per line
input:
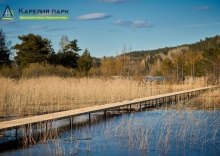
<point x="174" y="63"/>
<point x="35" y="49"/>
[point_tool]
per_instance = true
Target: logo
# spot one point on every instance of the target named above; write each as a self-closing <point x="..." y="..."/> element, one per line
<point x="8" y="14"/>
<point x="43" y="14"/>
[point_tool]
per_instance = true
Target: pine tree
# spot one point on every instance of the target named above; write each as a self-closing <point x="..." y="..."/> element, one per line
<point x="33" y="49"/>
<point x="85" y="62"/>
<point x="4" y="50"/>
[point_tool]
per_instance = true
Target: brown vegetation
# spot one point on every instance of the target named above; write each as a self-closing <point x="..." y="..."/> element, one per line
<point x="207" y="101"/>
<point x="27" y="97"/>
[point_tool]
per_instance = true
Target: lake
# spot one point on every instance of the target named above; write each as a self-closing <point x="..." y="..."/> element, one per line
<point x="154" y="132"/>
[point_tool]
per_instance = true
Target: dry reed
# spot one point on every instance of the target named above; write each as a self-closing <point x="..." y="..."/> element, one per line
<point x="26" y="97"/>
<point x="207" y="101"/>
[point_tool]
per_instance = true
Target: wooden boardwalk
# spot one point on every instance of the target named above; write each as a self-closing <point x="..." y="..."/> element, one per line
<point x="152" y="100"/>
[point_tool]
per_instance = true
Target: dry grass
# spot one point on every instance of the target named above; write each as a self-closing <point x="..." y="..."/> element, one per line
<point x="26" y="97"/>
<point x="207" y="101"/>
<point x="180" y="129"/>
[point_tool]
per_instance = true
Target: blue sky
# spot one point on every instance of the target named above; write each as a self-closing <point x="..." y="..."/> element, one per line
<point x="105" y="26"/>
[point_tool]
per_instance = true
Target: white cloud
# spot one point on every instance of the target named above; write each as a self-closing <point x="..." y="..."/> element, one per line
<point x="202" y="8"/>
<point x="134" y="24"/>
<point x="94" y="16"/>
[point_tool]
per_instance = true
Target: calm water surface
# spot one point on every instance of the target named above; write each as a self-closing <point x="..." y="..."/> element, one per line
<point x="157" y="132"/>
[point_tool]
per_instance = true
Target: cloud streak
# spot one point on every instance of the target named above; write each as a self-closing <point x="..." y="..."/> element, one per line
<point x="9" y="22"/>
<point x="2" y="1"/>
<point x="37" y="27"/>
<point x="112" y="1"/>
<point x="61" y="29"/>
<point x="134" y="24"/>
<point x="202" y="8"/>
<point x="11" y="36"/>
<point x="94" y="16"/>
<point x="202" y="25"/>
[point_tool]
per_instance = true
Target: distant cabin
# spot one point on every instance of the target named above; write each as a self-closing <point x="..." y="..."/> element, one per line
<point x="155" y="79"/>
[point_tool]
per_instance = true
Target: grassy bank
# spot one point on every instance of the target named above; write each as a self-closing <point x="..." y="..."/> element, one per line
<point x="26" y="97"/>
<point x="207" y="101"/>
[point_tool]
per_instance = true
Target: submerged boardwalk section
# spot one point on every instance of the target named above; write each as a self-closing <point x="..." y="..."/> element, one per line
<point x="146" y="101"/>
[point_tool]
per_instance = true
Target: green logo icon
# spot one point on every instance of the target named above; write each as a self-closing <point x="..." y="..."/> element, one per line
<point x="8" y="14"/>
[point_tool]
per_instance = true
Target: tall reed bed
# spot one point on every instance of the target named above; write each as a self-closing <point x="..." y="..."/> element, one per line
<point x="26" y="97"/>
<point x="207" y="101"/>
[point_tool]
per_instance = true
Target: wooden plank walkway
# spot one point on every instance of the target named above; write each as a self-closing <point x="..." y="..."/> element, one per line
<point x="77" y="112"/>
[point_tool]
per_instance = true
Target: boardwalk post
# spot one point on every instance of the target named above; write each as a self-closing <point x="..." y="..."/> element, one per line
<point x="105" y="114"/>
<point x="71" y="122"/>
<point x="166" y="101"/>
<point x="46" y="126"/>
<point x="26" y="129"/>
<point x="16" y="133"/>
